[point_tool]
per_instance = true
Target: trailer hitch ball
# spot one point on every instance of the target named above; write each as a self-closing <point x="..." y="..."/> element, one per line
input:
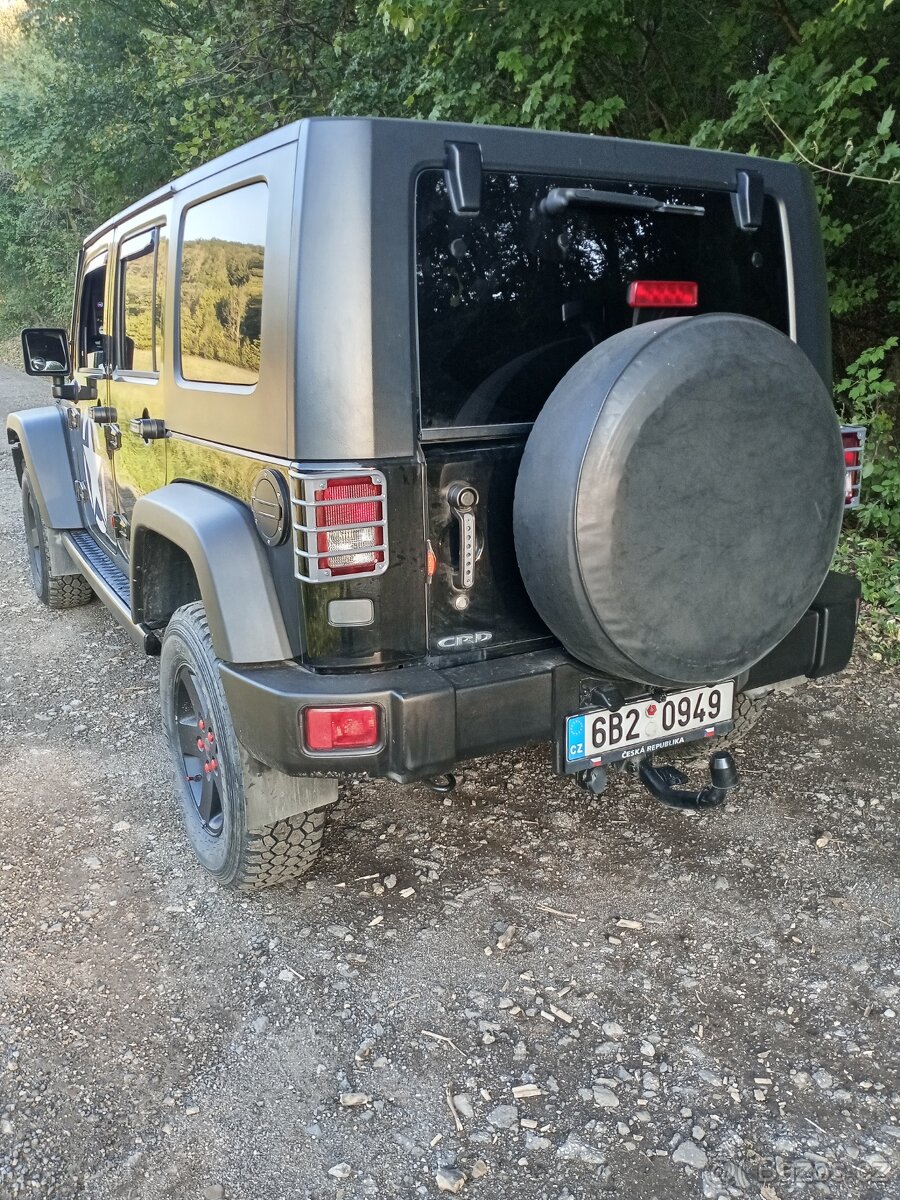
<point x="723" y="771"/>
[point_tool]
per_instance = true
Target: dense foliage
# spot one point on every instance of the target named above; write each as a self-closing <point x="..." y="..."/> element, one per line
<point x="100" y="100"/>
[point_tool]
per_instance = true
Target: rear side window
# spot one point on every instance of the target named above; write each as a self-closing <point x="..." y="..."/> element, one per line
<point x="142" y="283"/>
<point x="220" y="290"/>
<point x="510" y="299"/>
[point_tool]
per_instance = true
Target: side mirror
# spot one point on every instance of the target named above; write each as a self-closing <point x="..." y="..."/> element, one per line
<point x="46" y="352"/>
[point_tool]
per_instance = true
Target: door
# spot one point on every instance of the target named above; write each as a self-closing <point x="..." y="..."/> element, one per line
<point x="92" y="451"/>
<point x="135" y="387"/>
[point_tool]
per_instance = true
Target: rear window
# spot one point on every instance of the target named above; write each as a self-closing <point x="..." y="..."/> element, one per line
<point x="509" y="299"/>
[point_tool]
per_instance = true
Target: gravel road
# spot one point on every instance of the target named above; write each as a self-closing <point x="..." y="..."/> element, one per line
<point x="514" y="993"/>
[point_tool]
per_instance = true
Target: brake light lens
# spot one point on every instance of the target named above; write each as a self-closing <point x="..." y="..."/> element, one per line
<point x="341" y="728"/>
<point x="349" y="516"/>
<point x="854" y="438"/>
<point x="662" y="293"/>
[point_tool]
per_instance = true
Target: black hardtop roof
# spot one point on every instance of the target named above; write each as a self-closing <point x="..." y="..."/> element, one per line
<point x="268" y="141"/>
<point x="586" y="145"/>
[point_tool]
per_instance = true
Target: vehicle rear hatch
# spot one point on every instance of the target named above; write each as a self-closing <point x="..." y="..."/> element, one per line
<point x="508" y="298"/>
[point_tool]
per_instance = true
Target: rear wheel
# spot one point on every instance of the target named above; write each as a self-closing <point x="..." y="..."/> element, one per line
<point x="56" y="591"/>
<point x="214" y="774"/>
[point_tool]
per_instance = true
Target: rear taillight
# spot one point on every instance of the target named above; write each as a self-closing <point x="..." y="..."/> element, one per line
<point x="341" y="728"/>
<point x="662" y="293"/>
<point x="340" y="523"/>
<point x="349" y="518"/>
<point x="854" y="438"/>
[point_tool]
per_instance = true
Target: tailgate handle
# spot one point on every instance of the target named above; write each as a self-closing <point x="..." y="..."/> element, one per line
<point x="463" y="500"/>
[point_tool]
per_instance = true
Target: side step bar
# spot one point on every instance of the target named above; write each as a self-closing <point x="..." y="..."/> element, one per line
<point x="110" y="584"/>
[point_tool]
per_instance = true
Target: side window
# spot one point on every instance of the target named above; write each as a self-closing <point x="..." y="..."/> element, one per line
<point x="220" y="289"/>
<point x="141" y="291"/>
<point x="91" y="347"/>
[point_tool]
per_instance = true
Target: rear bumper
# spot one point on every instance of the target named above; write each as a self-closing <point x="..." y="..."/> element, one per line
<point x="821" y="642"/>
<point x="431" y="718"/>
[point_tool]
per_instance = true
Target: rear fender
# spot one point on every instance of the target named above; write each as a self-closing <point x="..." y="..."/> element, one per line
<point x="233" y="578"/>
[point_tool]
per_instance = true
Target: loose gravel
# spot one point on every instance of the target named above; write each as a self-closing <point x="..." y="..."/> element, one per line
<point x="514" y="992"/>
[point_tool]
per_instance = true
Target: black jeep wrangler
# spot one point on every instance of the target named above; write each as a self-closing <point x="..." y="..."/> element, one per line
<point x="405" y="442"/>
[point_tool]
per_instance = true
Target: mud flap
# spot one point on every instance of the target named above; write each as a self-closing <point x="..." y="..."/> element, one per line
<point x="271" y="796"/>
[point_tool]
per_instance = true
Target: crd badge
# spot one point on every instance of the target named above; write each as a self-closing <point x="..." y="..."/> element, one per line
<point x="461" y="641"/>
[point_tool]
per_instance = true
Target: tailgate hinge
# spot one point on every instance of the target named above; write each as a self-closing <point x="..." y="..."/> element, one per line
<point x="747" y="200"/>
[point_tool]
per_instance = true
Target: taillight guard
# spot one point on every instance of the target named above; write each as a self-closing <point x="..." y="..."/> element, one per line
<point x="854" y="440"/>
<point x="339" y="522"/>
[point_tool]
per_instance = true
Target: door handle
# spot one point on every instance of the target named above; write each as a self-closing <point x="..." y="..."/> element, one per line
<point x="103" y="414"/>
<point x="148" y="428"/>
<point x="463" y="498"/>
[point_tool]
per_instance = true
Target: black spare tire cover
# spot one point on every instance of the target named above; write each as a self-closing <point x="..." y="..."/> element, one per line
<point x="680" y="498"/>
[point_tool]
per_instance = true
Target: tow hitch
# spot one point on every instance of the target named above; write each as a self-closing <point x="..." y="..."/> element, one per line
<point x="662" y="782"/>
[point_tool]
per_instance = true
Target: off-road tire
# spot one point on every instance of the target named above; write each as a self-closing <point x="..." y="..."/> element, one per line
<point x="56" y="591"/>
<point x="235" y="856"/>
<point x="747" y="711"/>
<point x="286" y="850"/>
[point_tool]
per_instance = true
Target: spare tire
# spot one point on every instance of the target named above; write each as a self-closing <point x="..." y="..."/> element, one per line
<point x="680" y="498"/>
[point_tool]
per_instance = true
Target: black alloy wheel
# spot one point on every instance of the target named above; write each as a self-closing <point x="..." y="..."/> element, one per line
<point x="199" y="749"/>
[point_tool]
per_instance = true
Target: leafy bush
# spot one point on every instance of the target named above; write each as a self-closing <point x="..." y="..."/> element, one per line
<point x="102" y="102"/>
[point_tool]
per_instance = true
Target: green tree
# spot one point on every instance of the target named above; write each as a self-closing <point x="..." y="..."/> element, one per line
<point x="102" y="100"/>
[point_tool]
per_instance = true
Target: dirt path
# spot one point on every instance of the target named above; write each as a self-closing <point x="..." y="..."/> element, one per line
<point x="706" y="1006"/>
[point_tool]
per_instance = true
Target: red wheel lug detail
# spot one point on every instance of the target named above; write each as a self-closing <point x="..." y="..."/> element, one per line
<point x="214" y="765"/>
<point x="200" y="745"/>
<point x="202" y="723"/>
<point x="210" y="738"/>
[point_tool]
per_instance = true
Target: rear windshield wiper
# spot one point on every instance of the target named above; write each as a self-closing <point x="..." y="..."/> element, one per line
<point x="558" y="200"/>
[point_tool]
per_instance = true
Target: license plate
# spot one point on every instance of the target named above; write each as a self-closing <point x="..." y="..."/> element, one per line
<point x="643" y="726"/>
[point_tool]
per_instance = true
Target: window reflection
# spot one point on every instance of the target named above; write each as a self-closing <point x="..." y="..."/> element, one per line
<point x="220" y="290"/>
<point x="510" y="299"/>
<point x="138" y="283"/>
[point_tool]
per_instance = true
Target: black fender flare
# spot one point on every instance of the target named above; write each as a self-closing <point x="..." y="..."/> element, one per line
<point x="233" y="575"/>
<point x="41" y="436"/>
